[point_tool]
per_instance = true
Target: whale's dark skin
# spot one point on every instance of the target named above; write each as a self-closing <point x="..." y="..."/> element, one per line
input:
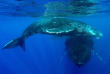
<point x="55" y="26"/>
<point x="79" y="49"/>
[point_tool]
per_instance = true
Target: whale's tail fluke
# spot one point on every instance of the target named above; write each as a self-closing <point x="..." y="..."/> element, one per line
<point x="14" y="43"/>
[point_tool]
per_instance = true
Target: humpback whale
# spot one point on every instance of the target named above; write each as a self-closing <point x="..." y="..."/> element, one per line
<point x="79" y="49"/>
<point x="55" y="26"/>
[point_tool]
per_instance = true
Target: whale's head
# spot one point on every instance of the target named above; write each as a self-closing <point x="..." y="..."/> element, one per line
<point x="87" y="30"/>
<point x="93" y="32"/>
<point x="96" y="34"/>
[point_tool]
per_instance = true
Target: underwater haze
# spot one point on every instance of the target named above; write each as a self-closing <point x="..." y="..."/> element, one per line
<point x="45" y="54"/>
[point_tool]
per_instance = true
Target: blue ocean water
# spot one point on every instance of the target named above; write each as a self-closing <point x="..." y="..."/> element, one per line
<point x="44" y="52"/>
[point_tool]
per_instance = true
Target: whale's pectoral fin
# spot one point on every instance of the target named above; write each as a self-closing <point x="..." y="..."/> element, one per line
<point x="14" y="43"/>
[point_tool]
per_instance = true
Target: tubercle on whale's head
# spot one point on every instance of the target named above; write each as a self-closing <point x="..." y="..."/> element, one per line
<point x="98" y="35"/>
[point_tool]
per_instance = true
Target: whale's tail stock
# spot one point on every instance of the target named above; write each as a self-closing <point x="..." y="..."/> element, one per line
<point x="14" y="43"/>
